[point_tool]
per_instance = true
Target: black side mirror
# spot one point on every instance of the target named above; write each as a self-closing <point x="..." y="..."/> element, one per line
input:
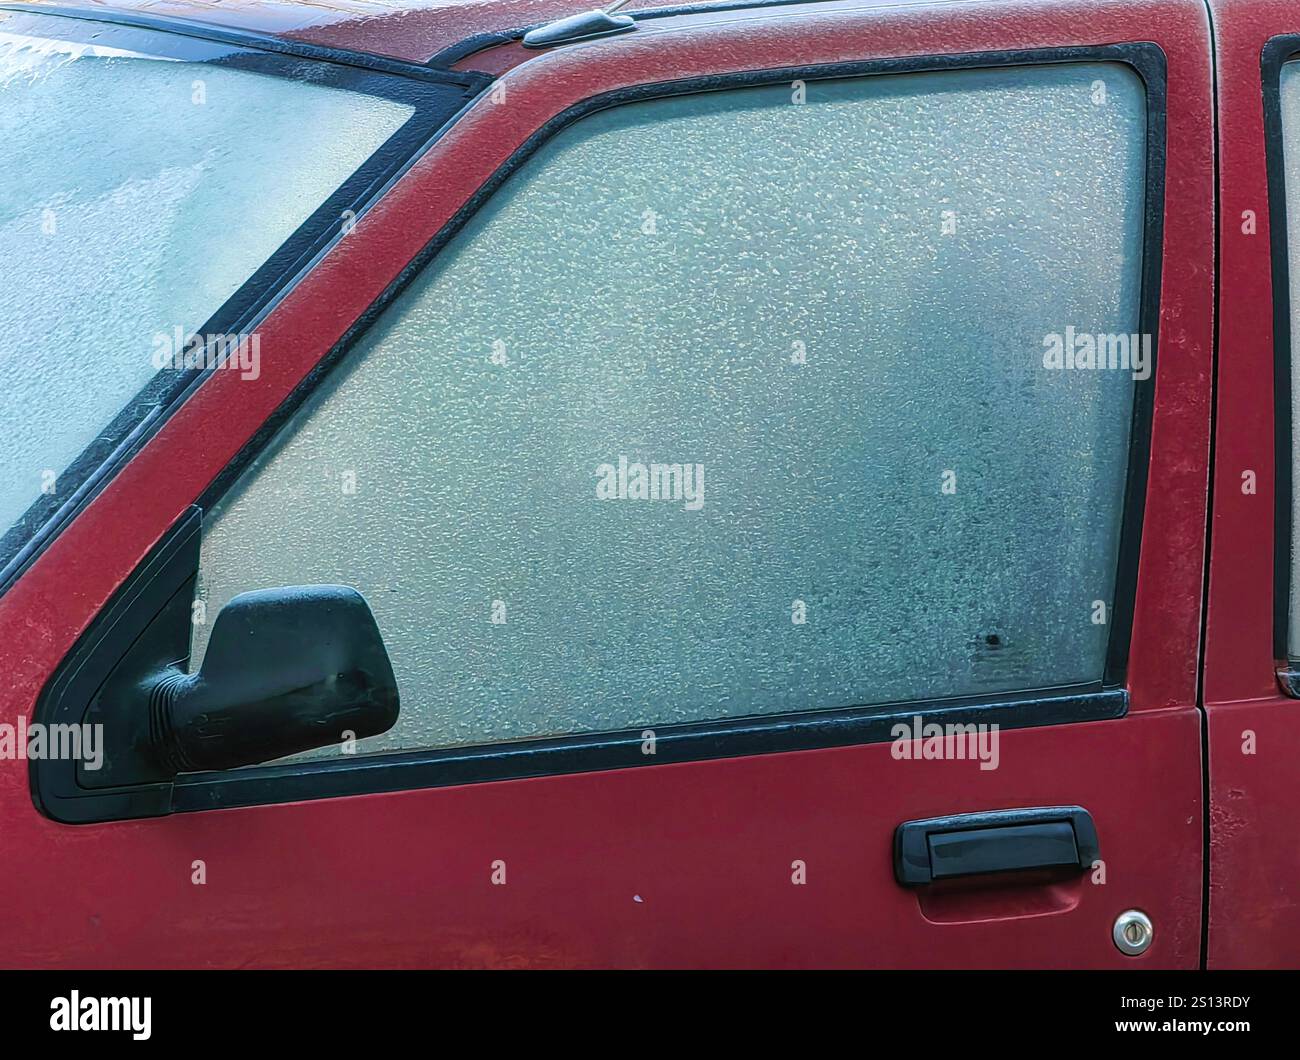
<point x="286" y="670"/>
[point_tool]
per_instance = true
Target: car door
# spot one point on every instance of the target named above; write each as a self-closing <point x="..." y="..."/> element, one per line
<point x="707" y="414"/>
<point x="1250" y="685"/>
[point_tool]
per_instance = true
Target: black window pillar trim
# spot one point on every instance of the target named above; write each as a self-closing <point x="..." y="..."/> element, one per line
<point x="1275" y="54"/>
<point x="805" y="730"/>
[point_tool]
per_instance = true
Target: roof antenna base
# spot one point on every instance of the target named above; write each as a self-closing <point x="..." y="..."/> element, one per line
<point x="578" y="27"/>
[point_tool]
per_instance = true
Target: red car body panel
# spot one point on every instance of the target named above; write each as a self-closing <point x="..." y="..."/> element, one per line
<point x="685" y="864"/>
<point x="1254" y="909"/>
<point x="415" y="30"/>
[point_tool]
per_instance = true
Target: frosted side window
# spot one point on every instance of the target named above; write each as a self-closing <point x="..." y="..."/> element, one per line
<point x="1290" y="100"/>
<point x="841" y="311"/>
<point x="139" y="194"/>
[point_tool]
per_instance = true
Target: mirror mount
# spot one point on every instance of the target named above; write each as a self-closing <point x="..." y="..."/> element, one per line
<point x="285" y="671"/>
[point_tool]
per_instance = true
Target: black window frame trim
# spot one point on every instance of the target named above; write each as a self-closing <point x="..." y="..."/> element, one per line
<point x="1107" y="699"/>
<point x="1276" y="53"/>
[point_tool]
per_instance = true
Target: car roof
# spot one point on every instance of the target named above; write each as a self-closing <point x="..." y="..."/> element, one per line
<point x="412" y="30"/>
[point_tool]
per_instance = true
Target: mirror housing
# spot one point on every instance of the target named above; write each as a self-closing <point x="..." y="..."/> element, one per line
<point x="286" y="670"/>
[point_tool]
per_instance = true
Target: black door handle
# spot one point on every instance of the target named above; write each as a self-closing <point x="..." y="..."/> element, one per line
<point x="971" y="844"/>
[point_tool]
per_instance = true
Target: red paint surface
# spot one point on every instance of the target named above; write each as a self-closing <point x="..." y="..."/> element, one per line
<point x="404" y="878"/>
<point x="1254" y="859"/>
<point x="411" y="29"/>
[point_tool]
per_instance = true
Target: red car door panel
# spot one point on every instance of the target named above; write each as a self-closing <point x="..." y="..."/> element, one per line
<point x="1253" y="741"/>
<point x="685" y="863"/>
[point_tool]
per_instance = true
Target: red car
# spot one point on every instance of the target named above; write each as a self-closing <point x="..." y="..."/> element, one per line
<point x="744" y="484"/>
